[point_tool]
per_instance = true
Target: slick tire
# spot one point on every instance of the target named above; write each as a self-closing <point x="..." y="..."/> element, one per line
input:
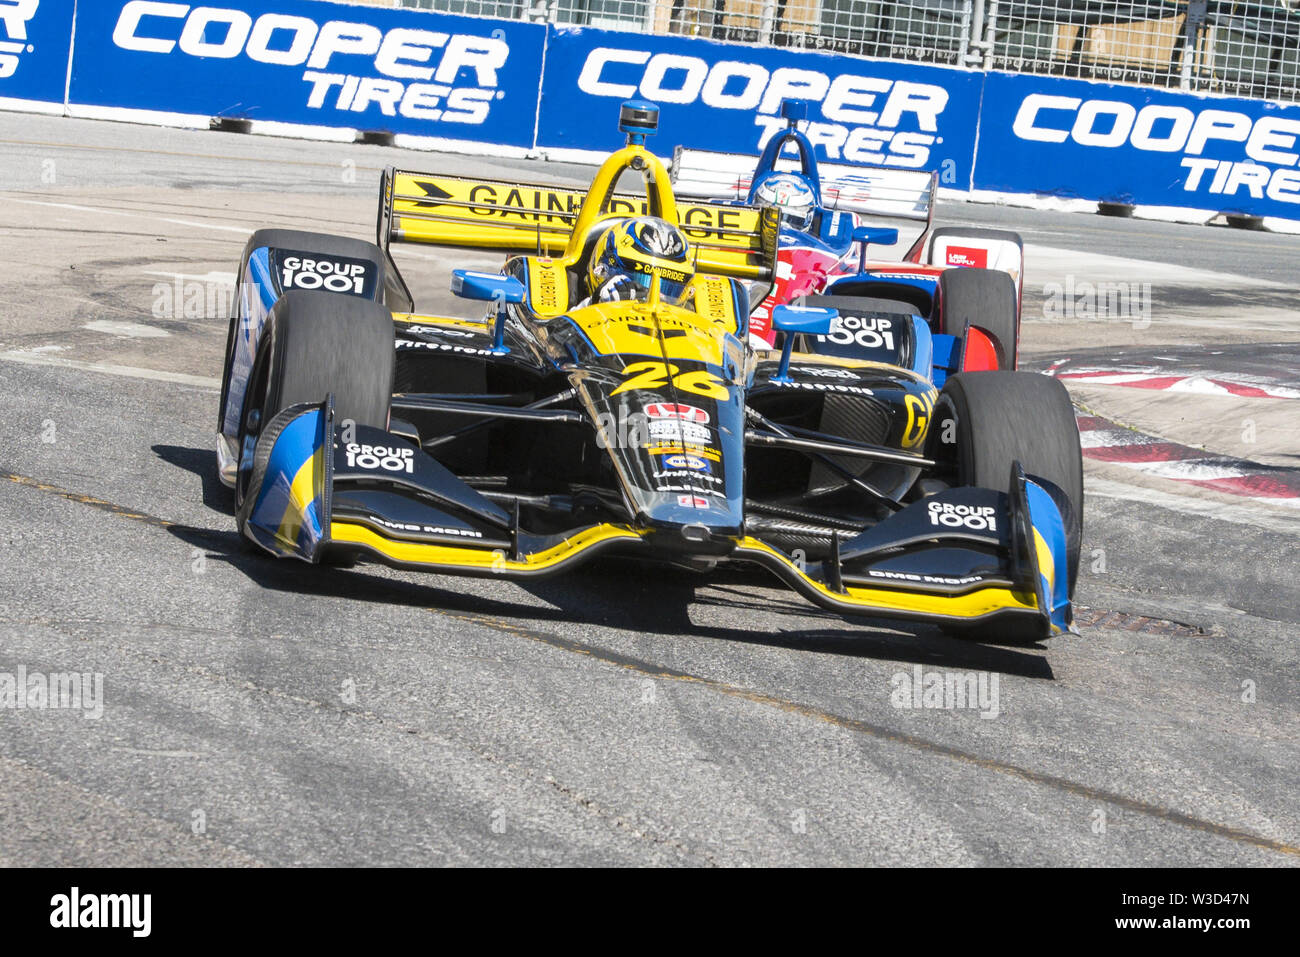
<point x="321" y="244"/>
<point x="315" y="344"/>
<point x="984" y="298"/>
<point x="1001" y="417"/>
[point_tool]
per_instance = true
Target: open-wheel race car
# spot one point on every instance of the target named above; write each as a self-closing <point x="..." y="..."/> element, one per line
<point x="965" y="281"/>
<point x="610" y="402"/>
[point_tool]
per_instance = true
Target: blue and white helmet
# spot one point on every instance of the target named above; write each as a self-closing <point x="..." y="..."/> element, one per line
<point x="791" y="194"/>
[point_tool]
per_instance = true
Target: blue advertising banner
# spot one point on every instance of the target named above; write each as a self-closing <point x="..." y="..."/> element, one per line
<point x="727" y="97"/>
<point x="35" y="39"/>
<point x="308" y="62"/>
<point x="1128" y="144"/>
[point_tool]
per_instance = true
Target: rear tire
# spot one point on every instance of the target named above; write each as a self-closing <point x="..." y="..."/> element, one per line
<point x="984" y="298"/>
<point x="314" y="344"/>
<point x="1003" y="417"/>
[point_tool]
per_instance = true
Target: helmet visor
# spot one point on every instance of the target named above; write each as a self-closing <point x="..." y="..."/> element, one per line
<point x="670" y="289"/>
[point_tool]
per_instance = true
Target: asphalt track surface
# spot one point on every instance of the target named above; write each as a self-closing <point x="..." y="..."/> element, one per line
<point x="262" y="712"/>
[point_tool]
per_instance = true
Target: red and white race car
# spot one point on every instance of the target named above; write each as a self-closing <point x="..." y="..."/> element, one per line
<point x="963" y="281"/>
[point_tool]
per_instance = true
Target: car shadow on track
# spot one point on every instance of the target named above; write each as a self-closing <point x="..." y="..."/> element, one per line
<point x="620" y="594"/>
<point x="592" y="596"/>
<point x="203" y="463"/>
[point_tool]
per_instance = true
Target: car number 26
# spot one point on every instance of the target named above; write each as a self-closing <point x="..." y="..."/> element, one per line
<point x="655" y="375"/>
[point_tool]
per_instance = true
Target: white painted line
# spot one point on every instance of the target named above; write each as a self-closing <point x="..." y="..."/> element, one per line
<point x="1052" y="261"/>
<point x="104" y="211"/>
<point x="1109" y="438"/>
<point x="1190" y="470"/>
<point x="128" y="330"/>
<point x="130" y="372"/>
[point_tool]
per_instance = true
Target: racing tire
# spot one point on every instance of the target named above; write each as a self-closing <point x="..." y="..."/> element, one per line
<point x="315" y="344"/>
<point x="1001" y="417"/>
<point x="984" y="298"/>
<point x="321" y="244"/>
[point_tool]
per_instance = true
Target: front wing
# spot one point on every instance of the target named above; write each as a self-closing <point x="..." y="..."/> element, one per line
<point x="960" y="558"/>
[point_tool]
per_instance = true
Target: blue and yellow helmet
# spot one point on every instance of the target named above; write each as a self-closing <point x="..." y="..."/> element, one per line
<point x="639" y="247"/>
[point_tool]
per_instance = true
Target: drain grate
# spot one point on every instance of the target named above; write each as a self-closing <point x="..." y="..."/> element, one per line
<point x="1123" y="621"/>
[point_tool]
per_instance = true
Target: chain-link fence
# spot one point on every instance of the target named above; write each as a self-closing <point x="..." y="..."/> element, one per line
<point x="1248" y="49"/>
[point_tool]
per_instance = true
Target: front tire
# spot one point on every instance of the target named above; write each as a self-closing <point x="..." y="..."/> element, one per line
<point x="315" y="344"/>
<point x="1001" y="417"/>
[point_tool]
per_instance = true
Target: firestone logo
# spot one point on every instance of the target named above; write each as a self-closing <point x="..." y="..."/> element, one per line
<point x="874" y="120"/>
<point x="14" y="16"/>
<point x="420" y="71"/>
<point x="1269" y="142"/>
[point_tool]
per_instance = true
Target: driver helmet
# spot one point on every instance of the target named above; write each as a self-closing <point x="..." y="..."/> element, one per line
<point x="791" y="195"/>
<point x="635" y="247"/>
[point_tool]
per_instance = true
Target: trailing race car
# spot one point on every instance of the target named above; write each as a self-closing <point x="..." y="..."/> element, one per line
<point x="610" y="403"/>
<point x="965" y="281"/>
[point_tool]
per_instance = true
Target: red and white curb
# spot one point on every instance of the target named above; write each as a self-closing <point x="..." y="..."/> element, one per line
<point x="1217" y="383"/>
<point x="1105" y="441"/>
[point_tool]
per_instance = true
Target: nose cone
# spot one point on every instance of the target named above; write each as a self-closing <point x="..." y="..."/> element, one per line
<point x="680" y="460"/>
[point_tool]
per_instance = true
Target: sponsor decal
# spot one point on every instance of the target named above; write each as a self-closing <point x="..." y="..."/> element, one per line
<point x="868" y="332"/>
<point x="924" y="579"/>
<point x="716" y="302"/>
<point x="546" y="293"/>
<point x="920" y="408"/>
<point x="967" y="256"/>
<point x="345" y="65"/>
<point x="442" y="331"/>
<point x="688" y="448"/>
<point x="691" y="501"/>
<point x="421" y="528"/>
<point x="869" y="119"/>
<point x="14" y="16"/>
<point x="682" y="462"/>
<point x="977" y="518"/>
<point x="380" y="457"/>
<point x="331" y="274"/>
<point x="675" y="428"/>
<point x="442" y="347"/>
<point x="698" y="476"/>
<point x="824" y="372"/>
<point x="821" y="387"/>
<point x="1141" y="147"/>
<point x="687" y="413"/>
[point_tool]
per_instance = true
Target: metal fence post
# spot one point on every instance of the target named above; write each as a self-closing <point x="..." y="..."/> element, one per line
<point x="767" y="21"/>
<point x="1193" y="25"/>
<point x="976" y="45"/>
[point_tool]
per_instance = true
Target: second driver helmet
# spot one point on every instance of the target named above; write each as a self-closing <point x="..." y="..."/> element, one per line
<point x="791" y="194"/>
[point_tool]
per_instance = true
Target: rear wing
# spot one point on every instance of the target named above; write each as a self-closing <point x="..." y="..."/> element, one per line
<point x="872" y="190"/>
<point x="729" y="240"/>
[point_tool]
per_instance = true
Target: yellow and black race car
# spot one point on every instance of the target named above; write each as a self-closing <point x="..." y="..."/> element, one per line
<point x="610" y="403"/>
